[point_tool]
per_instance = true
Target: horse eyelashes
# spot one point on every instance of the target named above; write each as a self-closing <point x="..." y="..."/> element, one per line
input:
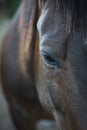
<point x="51" y="60"/>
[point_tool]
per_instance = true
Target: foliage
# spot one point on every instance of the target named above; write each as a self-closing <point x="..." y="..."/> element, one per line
<point x="13" y="5"/>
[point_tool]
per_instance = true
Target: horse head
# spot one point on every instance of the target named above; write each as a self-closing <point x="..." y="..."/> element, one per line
<point x="61" y="62"/>
<point x="52" y="54"/>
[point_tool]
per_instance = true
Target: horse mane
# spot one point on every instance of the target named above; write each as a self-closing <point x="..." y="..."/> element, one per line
<point x="27" y="30"/>
<point x="77" y="10"/>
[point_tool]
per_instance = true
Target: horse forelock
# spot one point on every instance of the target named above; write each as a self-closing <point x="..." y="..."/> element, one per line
<point x="75" y="11"/>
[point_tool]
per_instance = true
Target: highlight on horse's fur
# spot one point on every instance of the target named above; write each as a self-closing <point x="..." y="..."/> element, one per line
<point x="27" y="32"/>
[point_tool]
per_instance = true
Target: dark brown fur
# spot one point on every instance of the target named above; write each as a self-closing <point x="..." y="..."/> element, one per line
<point x="24" y="70"/>
<point x="20" y="90"/>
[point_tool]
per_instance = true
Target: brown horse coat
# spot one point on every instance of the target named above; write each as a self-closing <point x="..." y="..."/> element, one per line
<point x="45" y="49"/>
<point x="17" y="52"/>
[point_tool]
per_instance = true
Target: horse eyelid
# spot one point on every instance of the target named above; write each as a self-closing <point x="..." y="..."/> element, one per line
<point x="49" y="59"/>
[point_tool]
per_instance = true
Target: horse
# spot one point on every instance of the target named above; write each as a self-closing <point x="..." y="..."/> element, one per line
<point x="44" y="55"/>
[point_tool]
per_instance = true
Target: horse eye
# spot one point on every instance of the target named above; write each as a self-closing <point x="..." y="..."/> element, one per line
<point x="49" y="60"/>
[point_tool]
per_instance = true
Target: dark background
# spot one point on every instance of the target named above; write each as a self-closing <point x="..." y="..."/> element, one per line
<point x="10" y="6"/>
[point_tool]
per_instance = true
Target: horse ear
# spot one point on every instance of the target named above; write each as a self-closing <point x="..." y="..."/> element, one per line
<point x="27" y="30"/>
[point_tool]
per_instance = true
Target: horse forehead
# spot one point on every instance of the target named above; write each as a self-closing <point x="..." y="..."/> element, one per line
<point x="51" y="24"/>
<point x="49" y="11"/>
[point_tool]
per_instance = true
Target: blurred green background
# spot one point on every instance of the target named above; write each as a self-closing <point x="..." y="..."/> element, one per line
<point x="7" y="10"/>
<point x="9" y="5"/>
